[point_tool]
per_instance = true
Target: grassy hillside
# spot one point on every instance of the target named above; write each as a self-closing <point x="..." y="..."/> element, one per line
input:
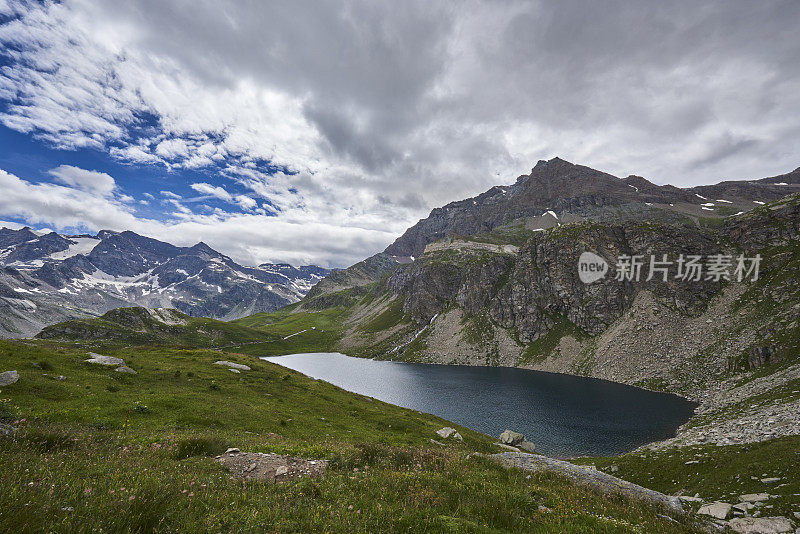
<point x="716" y="473"/>
<point x="99" y="450"/>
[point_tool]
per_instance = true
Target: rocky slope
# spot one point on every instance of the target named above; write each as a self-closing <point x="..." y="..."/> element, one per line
<point x="45" y="279"/>
<point x="494" y="281"/>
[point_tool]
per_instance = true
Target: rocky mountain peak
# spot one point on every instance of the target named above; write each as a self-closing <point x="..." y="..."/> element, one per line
<point x="48" y="278"/>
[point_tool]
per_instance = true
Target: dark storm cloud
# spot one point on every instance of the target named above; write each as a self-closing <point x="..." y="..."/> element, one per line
<point x="382" y="110"/>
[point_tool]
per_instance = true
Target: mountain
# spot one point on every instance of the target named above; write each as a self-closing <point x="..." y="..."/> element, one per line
<point x="494" y="280"/>
<point x="558" y="192"/>
<point x="45" y="279"/>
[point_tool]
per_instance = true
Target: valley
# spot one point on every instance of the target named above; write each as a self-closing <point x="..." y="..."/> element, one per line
<point x="473" y="288"/>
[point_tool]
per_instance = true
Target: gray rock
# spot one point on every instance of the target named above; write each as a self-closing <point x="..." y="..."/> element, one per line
<point x="718" y="510"/>
<point x="281" y="470"/>
<point x="508" y="447"/>
<point x="99" y="359"/>
<point x="761" y="525"/>
<point x="232" y="450"/>
<point x="754" y="497"/>
<point x="527" y="446"/>
<point x="234" y="371"/>
<point x="770" y="480"/>
<point x="595" y="479"/>
<point x="8" y="378"/>
<point x="687" y="498"/>
<point x="448" y="432"/>
<point x="127" y="370"/>
<point x="232" y="365"/>
<point x="509" y="437"/>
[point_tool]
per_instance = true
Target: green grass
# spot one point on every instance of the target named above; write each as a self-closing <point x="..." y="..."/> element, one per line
<point x="311" y="331"/>
<point x="540" y="349"/>
<point x="389" y="318"/>
<point x="721" y="472"/>
<point x="104" y="451"/>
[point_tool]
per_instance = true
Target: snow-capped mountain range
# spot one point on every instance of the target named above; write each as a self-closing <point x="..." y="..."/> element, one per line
<point x="47" y="278"/>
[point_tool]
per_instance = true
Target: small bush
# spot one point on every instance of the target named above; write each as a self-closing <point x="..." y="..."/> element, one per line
<point x="112" y="388"/>
<point x="214" y="386"/>
<point x="200" y="447"/>
<point x="141" y="408"/>
<point x="44" y="365"/>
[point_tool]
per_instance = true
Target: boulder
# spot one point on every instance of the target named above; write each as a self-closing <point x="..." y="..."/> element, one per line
<point x="718" y="510"/>
<point x="8" y="378"/>
<point x="509" y="437"/>
<point x="527" y="446"/>
<point x="232" y="365"/>
<point x="99" y="359"/>
<point x="761" y="525"/>
<point x="754" y="497"/>
<point x="448" y="432"/>
<point x="125" y="369"/>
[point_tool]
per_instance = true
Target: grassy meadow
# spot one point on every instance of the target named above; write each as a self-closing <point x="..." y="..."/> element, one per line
<point x="102" y="451"/>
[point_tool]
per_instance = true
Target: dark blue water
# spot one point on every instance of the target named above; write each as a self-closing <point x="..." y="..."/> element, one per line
<point x="563" y="415"/>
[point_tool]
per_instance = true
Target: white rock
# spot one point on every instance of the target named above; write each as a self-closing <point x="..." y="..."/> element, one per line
<point x="127" y="370"/>
<point x="447" y="432"/>
<point x="239" y="366"/>
<point x="234" y="371"/>
<point x="281" y="470"/>
<point x="718" y="510"/>
<point x="770" y="480"/>
<point x="232" y="450"/>
<point x="754" y="497"/>
<point x="8" y="378"/>
<point x="761" y="525"/>
<point x="99" y="359"/>
<point x="687" y="498"/>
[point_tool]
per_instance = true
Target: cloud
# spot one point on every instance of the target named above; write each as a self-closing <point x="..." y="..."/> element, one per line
<point x="91" y="181"/>
<point x="212" y="190"/>
<point x="366" y="114"/>
<point x="248" y="237"/>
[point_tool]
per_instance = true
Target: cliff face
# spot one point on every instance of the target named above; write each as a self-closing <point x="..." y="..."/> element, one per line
<point x="576" y="192"/>
<point x="494" y="280"/>
<point x="528" y="307"/>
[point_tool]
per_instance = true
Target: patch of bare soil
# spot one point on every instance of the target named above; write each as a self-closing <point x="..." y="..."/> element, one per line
<point x="270" y="467"/>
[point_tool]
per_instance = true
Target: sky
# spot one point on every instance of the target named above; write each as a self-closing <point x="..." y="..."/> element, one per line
<point x="317" y="132"/>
